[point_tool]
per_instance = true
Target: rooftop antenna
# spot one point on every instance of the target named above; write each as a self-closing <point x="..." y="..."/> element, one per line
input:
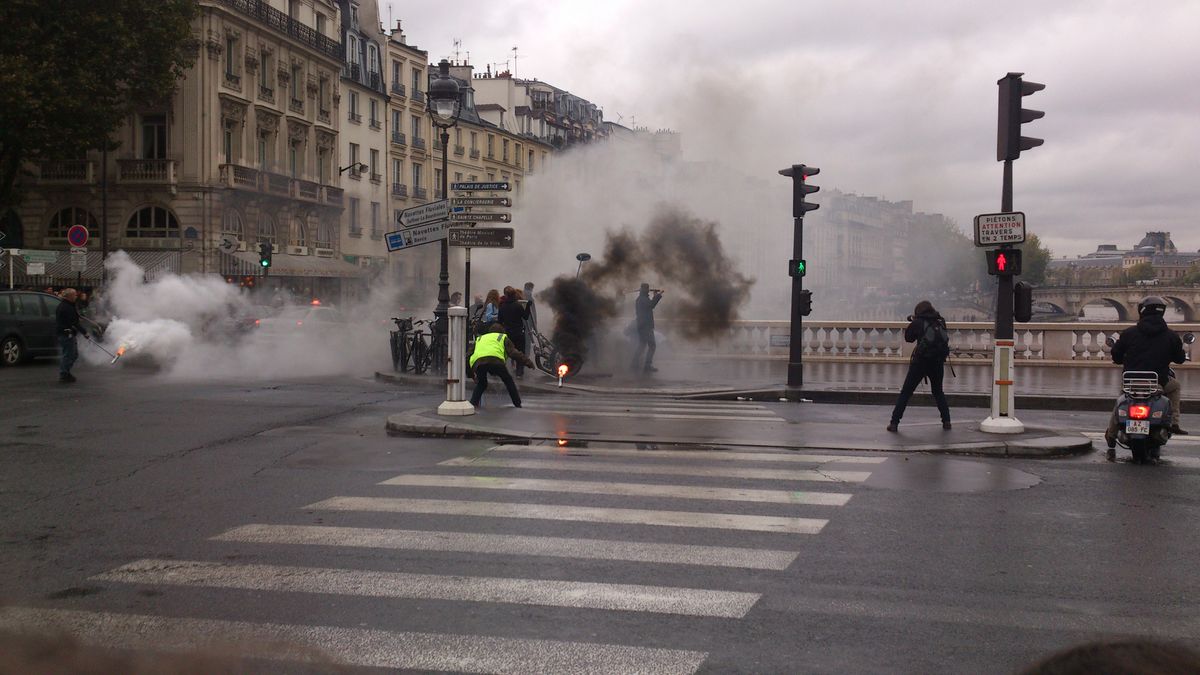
<point x="457" y="47"/>
<point x="514" y="59"/>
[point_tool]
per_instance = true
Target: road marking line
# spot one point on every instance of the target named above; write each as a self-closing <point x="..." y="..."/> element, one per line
<point x="511" y="544"/>
<point x="349" y="646"/>
<point x="723" y="455"/>
<point x="624" y="489"/>
<point x="725" y="521"/>
<point x="638" y="407"/>
<point x="374" y="584"/>
<point x="567" y="463"/>
<point x="664" y="416"/>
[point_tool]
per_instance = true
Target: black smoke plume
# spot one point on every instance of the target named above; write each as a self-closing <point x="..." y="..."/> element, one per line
<point x="681" y="253"/>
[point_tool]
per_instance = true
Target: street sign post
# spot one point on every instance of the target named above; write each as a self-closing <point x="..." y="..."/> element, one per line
<point x="415" y="236"/>
<point x="480" y="217"/>
<point x="999" y="229"/>
<point x="79" y="261"/>
<point x="77" y="236"/>
<point x="481" y="201"/>
<point x="35" y="269"/>
<point x="424" y="214"/>
<point x="501" y="186"/>
<point x="39" y="256"/>
<point x="481" y="237"/>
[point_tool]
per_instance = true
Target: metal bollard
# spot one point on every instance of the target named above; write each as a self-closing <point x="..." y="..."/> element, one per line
<point x="456" y="365"/>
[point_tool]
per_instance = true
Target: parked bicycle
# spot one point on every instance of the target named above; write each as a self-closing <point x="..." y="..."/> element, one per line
<point x="399" y="342"/>
<point x="424" y="348"/>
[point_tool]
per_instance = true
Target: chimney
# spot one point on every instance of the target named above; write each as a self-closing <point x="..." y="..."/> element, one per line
<point x="400" y="32"/>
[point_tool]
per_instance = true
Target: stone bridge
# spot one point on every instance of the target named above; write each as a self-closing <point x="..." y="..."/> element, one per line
<point x="1071" y="299"/>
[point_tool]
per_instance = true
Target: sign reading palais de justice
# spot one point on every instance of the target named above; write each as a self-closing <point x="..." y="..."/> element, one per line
<point x="501" y="186"/>
<point x="994" y="229"/>
<point x="415" y="236"/>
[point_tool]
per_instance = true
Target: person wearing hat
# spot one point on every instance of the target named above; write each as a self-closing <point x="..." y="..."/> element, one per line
<point x="644" y="310"/>
<point x="491" y="349"/>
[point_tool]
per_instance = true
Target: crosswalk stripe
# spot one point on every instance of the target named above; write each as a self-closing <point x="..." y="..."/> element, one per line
<point x="1176" y="440"/>
<point x="649" y="400"/>
<point x="572" y="464"/>
<point x="665" y="416"/>
<point x="642" y="406"/>
<point x="728" y="521"/>
<point x="510" y="544"/>
<point x="350" y="646"/>
<point x="722" y="455"/>
<point x="375" y="584"/>
<point x="623" y="489"/>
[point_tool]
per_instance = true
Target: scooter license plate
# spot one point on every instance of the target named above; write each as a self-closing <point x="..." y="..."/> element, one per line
<point x="1137" y="427"/>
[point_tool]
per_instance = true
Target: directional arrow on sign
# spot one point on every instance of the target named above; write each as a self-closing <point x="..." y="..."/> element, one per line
<point x="425" y="213"/>
<point x="481" y="237"/>
<point x="481" y="201"/>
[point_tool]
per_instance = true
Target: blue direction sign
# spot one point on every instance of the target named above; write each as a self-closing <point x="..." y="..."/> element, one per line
<point x="502" y="186"/>
<point x="415" y="236"/>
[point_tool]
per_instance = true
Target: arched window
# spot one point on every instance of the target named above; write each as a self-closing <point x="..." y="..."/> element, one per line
<point x="299" y="232"/>
<point x="231" y="223"/>
<point x="326" y="234"/>
<point x="11" y="228"/>
<point x="152" y="221"/>
<point x="64" y="219"/>
<point x="266" y="229"/>
<point x="372" y="58"/>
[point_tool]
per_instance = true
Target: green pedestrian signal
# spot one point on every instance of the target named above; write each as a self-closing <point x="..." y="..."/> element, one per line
<point x="264" y="254"/>
<point x="797" y="268"/>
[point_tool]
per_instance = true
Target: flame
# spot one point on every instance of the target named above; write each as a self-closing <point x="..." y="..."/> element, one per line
<point x="562" y="370"/>
<point x="562" y="442"/>
<point x="316" y="303"/>
<point x="121" y="350"/>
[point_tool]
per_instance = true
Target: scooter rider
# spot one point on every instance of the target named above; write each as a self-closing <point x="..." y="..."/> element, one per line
<point x="1150" y="345"/>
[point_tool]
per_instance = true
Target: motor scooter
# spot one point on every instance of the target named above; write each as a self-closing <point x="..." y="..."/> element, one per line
<point x="1143" y="413"/>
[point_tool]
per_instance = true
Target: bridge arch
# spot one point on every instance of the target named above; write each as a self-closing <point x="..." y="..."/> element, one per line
<point x="1187" y="310"/>
<point x="1124" y="313"/>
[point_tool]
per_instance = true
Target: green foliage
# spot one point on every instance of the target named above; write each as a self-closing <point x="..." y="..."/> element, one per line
<point x="1140" y="272"/>
<point x="1035" y="258"/>
<point x="71" y="71"/>
<point x="1192" y="277"/>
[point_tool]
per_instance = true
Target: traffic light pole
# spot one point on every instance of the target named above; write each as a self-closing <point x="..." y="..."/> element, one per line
<point x="795" y="371"/>
<point x="1002" y="419"/>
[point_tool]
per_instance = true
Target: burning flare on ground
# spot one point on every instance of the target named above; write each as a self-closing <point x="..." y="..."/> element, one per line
<point x="119" y="354"/>
<point x="563" y="369"/>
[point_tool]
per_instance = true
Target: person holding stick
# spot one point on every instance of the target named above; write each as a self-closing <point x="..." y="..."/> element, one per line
<point x="66" y="327"/>
<point x="644" y="309"/>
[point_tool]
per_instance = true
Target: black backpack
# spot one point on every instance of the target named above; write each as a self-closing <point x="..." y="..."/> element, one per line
<point x="934" y="342"/>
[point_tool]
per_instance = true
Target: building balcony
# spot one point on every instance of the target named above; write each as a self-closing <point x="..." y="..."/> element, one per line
<point x="334" y="196"/>
<point x="418" y="96"/>
<point x="306" y="190"/>
<point x="266" y="94"/>
<point x="67" y="172"/>
<point x="398" y="138"/>
<point x="474" y="153"/>
<point x="233" y="81"/>
<point x="276" y="184"/>
<point x="354" y="117"/>
<point x="356" y="231"/>
<point x="437" y="144"/>
<point x="459" y="150"/>
<point x="376" y="178"/>
<point x="376" y="233"/>
<point x="324" y="116"/>
<point x="376" y="124"/>
<point x="400" y="190"/>
<point x="420" y="193"/>
<point x="146" y="171"/>
<point x="418" y="143"/>
<point x="261" y="11"/>
<point x="296" y="105"/>
<point x="354" y="172"/>
<point x="398" y="89"/>
<point x="239" y="177"/>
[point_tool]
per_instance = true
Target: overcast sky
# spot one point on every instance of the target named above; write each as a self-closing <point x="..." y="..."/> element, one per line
<point x="891" y="99"/>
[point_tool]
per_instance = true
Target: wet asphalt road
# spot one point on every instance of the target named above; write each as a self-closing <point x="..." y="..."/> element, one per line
<point x="197" y="505"/>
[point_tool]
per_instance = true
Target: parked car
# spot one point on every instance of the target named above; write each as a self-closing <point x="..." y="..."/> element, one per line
<point x="27" y="326"/>
<point x="312" y="319"/>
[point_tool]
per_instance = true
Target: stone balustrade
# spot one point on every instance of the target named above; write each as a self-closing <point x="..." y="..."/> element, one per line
<point x="1048" y="344"/>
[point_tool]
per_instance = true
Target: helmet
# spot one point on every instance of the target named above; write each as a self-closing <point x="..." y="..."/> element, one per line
<point x="1152" y="306"/>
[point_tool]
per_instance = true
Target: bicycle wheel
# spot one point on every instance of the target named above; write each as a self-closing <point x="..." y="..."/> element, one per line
<point x="394" y="344"/>
<point x="420" y="355"/>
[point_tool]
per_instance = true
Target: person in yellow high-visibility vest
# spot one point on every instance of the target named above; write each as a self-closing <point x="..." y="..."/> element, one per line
<point x="491" y="348"/>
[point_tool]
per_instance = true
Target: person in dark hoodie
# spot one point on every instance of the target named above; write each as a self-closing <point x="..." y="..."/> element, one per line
<point x="928" y="329"/>
<point x="513" y="314"/>
<point x="491" y="349"/>
<point x="1149" y="345"/>
<point x="66" y="327"/>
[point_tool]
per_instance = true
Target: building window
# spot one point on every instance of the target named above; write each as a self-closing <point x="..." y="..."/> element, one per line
<point x="227" y="140"/>
<point x="323" y="94"/>
<point x="416" y="81"/>
<point x="354" y="227"/>
<point x="231" y="56"/>
<point x="152" y="221"/>
<point x="297" y="85"/>
<point x="264" y="73"/>
<point x="354" y="15"/>
<point x="154" y="137"/>
<point x="397" y="125"/>
<point x="264" y="149"/>
<point x="326" y="234"/>
<point x="375" y="164"/>
<point x="374" y="113"/>
<point x="352" y="48"/>
<point x="372" y="58"/>
<point x="437" y="183"/>
<point x="457" y="176"/>
<point x="231" y="223"/>
<point x="294" y="9"/>
<point x="354" y="155"/>
<point x="416" y="176"/>
<point x="299" y="233"/>
<point x="517" y="154"/>
<point x="397" y="171"/>
<point x="320" y="23"/>
<point x="353" y="104"/>
<point x="294" y="159"/>
<point x="504" y="149"/>
<point x="491" y="146"/>
<point x="64" y="219"/>
<point x="416" y="127"/>
<point x="375" y="218"/>
<point x="323" y="166"/>
<point x="397" y="68"/>
<point x="266" y="229"/>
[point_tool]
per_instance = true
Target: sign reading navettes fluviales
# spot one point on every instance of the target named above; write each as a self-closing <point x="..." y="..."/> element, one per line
<point x="415" y="236"/>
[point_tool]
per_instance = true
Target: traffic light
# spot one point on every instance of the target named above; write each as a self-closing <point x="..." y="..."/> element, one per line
<point x="1009" y="141"/>
<point x="804" y="307"/>
<point x="797" y="268"/>
<point x="264" y="255"/>
<point x="1005" y="262"/>
<point x="799" y="173"/>
<point x="1022" y="301"/>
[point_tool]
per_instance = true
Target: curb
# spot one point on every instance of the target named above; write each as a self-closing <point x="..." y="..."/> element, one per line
<point x="415" y="423"/>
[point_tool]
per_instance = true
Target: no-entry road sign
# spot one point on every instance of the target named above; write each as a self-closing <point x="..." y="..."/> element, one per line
<point x="994" y="229"/>
<point x="77" y="236"/>
<point x="425" y="213"/>
<point x="501" y="186"/>
<point x="415" y="236"/>
<point x="481" y="237"/>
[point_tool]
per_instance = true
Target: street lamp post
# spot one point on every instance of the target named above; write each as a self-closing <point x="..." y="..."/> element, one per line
<point x="445" y="105"/>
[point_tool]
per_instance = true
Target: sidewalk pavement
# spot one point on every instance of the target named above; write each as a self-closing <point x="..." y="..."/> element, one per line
<point x="571" y="415"/>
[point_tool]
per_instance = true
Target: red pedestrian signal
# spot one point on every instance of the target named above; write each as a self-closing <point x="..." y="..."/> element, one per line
<point x="1004" y="262"/>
